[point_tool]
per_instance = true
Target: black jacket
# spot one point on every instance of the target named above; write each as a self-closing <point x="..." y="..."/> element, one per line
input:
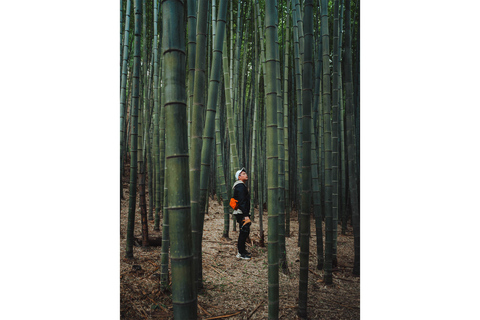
<point x="240" y="193"/>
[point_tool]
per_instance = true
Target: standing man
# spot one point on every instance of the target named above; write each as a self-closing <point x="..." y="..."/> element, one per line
<point x="240" y="193"/>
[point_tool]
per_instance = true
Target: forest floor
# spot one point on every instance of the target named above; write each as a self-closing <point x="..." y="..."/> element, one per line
<point x="233" y="286"/>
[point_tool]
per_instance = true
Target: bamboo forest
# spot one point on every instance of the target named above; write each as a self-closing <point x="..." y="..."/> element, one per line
<point x="208" y="88"/>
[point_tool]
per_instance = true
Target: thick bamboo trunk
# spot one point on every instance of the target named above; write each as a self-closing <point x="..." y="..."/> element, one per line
<point x="272" y="156"/>
<point x="184" y="298"/>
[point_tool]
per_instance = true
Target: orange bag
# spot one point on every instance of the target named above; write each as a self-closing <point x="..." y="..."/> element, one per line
<point x="234" y="203"/>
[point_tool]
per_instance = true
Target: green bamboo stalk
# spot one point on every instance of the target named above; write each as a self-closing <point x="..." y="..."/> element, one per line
<point x="253" y="164"/>
<point x="149" y="145"/>
<point x="317" y="101"/>
<point x="328" y="146"/>
<point x="261" y="172"/>
<point x="164" y="276"/>
<point x="123" y="92"/>
<point x="241" y="104"/>
<point x="356" y="86"/>
<point x="234" y="84"/>
<point x="281" y="164"/>
<point x="262" y="47"/>
<point x="299" y="86"/>
<point x="209" y="50"/>
<point x="285" y="130"/>
<point x="209" y="130"/>
<point x="254" y="161"/>
<point x="315" y="167"/>
<point x="161" y="130"/>
<point x="316" y="200"/>
<point x="342" y="193"/>
<point x="134" y="133"/>
<point x="301" y="36"/>
<point x="335" y="126"/>
<point x="250" y="105"/>
<point x="214" y="20"/>
<point x="196" y="130"/>
<point x="184" y="298"/>
<point x="299" y="14"/>
<point x="127" y="124"/>
<point x="341" y="131"/>
<point x="320" y="135"/>
<point x="316" y="177"/>
<point x="192" y="44"/>
<point x="142" y="121"/>
<point x="272" y="156"/>
<point x="264" y="147"/>
<point x="306" y="169"/>
<point x="259" y="123"/>
<point x="344" y="164"/>
<point x="262" y="140"/>
<point x="353" y="193"/>
<point x="156" y="119"/>
<point x="150" y="171"/>
<point x="221" y="172"/>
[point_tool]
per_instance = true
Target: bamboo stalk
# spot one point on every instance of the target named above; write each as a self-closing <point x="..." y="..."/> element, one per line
<point x="196" y="134"/>
<point x="271" y="55"/>
<point x="184" y="298"/>
<point x="328" y="145"/>
<point x="134" y="135"/>
<point x="306" y="163"/>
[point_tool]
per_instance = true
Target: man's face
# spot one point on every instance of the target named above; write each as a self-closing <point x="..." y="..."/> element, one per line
<point x="243" y="176"/>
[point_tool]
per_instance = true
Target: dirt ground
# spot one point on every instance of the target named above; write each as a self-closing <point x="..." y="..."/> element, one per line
<point x="242" y="295"/>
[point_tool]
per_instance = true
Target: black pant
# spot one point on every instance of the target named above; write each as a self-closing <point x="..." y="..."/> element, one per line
<point x="242" y="234"/>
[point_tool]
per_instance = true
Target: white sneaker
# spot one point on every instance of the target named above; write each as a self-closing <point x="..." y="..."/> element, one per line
<point x="243" y="256"/>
